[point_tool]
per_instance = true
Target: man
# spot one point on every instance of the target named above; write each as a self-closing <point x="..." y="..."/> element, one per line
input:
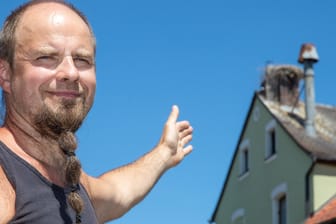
<point x="47" y="73"/>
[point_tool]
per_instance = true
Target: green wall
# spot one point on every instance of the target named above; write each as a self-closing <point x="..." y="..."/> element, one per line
<point x="253" y="193"/>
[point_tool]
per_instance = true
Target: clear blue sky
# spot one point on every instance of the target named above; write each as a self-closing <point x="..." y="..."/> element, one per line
<point x="207" y="56"/>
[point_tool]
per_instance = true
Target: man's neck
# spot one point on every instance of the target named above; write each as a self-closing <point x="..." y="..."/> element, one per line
<point x="40" y="151"/>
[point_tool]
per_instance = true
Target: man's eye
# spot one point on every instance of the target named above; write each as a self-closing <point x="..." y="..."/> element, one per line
<point x="45" y="58"/>
<point x="82" y="62"/>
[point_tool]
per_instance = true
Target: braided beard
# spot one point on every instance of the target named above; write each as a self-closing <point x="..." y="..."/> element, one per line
<point x="61" y="126"/>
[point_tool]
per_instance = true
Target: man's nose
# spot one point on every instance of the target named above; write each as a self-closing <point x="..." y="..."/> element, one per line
<point x="67" y="70"/>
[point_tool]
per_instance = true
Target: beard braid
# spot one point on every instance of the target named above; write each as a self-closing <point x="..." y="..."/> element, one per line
<point x="60" y="126"/>
<point x="68" y="144"/>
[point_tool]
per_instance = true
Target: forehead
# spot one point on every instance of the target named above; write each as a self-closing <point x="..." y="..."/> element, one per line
<point x="51" y="17"/>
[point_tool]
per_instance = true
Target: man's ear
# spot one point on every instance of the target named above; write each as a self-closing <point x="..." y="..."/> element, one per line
<point x="5" y="73"/>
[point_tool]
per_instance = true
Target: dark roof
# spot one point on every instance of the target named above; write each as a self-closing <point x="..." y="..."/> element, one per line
<point x="321" y="147"/>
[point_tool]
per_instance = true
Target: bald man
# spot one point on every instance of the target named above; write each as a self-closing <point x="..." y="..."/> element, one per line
<point x="47" y="74"/>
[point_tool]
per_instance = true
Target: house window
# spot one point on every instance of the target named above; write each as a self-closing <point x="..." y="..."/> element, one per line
<point x="282" y="209"/>
<point x="270" y="144"/>
<point x="279" y="204"/>
<point x="245" y="167"/>
<point x="244" y="157"/>
<point x="237" y="216"/>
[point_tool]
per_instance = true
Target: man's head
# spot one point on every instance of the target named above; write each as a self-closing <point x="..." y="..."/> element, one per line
<point x="47" y="53"/>
<point x="7" y="38"/>
<point x="47" y="73"/>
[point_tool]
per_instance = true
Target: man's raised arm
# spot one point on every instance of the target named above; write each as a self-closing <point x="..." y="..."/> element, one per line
<point x="117" y="191"/>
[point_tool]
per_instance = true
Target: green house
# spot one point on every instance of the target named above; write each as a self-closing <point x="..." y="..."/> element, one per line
<point x="279" y="172"/>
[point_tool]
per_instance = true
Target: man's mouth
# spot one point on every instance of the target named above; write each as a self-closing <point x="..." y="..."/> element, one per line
<point x="69" y="94"/>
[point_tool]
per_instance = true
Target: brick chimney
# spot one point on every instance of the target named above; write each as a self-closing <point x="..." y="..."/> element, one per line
<point x="281" y="84"/>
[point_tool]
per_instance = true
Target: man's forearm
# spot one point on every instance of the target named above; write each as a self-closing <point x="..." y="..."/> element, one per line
<point x="136" y="179"/>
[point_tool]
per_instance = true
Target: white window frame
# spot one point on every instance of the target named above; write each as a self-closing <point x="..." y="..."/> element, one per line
<point x="277" y="193"/>
<point x="244" y="147"/>
<point x="270" y="127"/>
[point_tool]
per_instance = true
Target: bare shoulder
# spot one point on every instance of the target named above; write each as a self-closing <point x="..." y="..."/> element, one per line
<point x="85" y="181"/>
<point x="98" y="188"/>
<point x="104" y="197"/>
<point x="7" y="199"/>
<point x="93" y="186"/>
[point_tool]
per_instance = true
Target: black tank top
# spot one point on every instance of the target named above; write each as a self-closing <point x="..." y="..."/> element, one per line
<point x="38" y="201"/>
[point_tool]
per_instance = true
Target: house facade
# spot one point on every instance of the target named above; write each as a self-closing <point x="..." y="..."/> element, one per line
<point x="279" y="173"/>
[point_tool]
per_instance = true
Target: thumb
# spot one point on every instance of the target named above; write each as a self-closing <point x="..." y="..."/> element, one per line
<point x="173" y="114"/>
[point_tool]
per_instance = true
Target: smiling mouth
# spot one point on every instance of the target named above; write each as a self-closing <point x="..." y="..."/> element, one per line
<point x="68" y="94"/>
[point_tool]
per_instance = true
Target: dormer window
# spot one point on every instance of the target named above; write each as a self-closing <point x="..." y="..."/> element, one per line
<point x="244" y="150"/>
<point x="270" y="141"/>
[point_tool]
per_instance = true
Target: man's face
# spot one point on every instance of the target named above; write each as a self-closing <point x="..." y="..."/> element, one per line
<point x="53" y="71"/>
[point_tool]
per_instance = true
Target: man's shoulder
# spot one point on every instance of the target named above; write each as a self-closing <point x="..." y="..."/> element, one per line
<point x="5" y="184"/>
<point x="7" y="198"/>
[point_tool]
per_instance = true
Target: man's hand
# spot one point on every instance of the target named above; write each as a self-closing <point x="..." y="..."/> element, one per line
<point x="175" y="138"/>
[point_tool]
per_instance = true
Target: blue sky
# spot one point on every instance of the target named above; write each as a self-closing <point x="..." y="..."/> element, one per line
<point x="205" y="56"/>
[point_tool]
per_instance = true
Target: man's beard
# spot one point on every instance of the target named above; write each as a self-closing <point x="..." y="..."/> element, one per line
<point x="61" y="126"/>
<point x="67" y="117"/>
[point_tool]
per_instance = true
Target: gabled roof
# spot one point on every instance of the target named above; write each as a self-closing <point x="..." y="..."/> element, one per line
<point x="327" y="214"/>
<point x="212" y="219"/>
<point x="321" y="148"/>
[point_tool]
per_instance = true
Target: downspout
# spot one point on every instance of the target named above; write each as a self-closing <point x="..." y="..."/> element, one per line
<point x="307" y="187"/>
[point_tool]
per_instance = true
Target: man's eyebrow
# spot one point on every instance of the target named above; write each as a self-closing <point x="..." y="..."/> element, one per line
<point x="84" y="52"/>
<point x="44" y="50"/>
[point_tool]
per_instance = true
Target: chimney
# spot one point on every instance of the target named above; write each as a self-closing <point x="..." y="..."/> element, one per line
<point x="308" y="56"/>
